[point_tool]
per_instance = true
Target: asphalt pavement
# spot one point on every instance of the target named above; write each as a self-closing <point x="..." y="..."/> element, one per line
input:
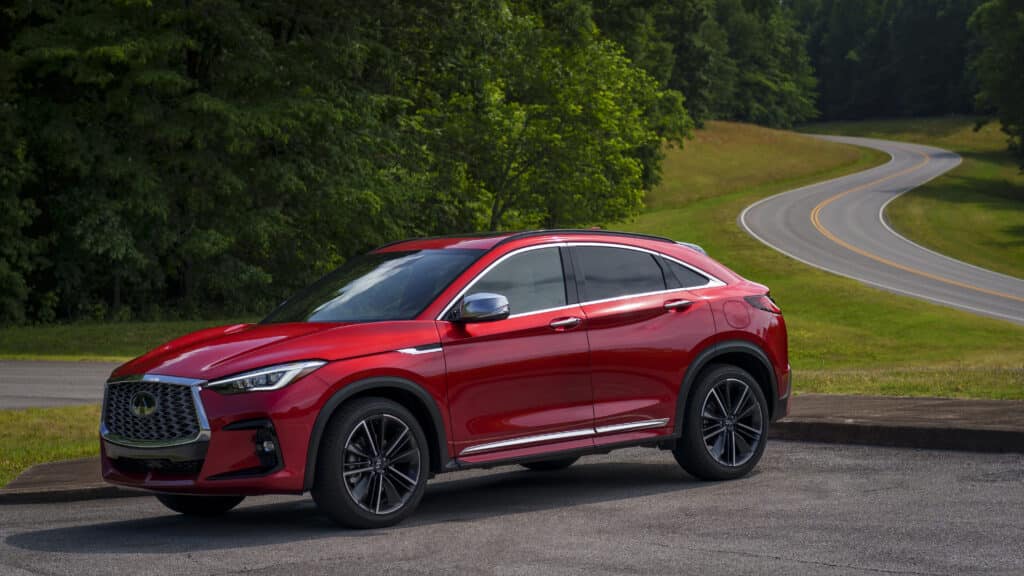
<point x="807" y="509"/>
<point x="28" y="384"/>
<point x="840" y="226"/>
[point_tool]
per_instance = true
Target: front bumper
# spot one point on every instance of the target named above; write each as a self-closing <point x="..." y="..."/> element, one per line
<point x="247" y="444"/>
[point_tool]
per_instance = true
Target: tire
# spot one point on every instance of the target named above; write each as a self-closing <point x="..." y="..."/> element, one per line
<point x="727" y="407"/>
<point x="202" y="506"/>
<point x="373" y="464"/>
<point x="549" y="465"/>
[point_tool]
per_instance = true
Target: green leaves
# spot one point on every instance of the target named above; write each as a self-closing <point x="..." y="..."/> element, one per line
<point x="209" y="157"/>
<point x="998" y="27"/>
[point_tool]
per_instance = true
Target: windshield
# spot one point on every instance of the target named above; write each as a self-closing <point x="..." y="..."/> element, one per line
<point x="377" y="287"/>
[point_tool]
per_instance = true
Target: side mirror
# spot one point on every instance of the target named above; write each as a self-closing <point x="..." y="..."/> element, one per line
<point x="483" y="307"/>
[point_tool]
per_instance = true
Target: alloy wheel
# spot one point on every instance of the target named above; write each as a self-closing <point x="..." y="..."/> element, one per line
<point x="732" y="424"/>
<point x="381" y="464"/>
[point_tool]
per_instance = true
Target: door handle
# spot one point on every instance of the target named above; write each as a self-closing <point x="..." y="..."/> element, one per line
<point x="678" y="304"/>
<point x="565" y="323"/>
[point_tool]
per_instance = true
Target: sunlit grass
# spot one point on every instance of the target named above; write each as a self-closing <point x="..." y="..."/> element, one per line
<point x="38" y="435"/>
<point x="93" y="341"/>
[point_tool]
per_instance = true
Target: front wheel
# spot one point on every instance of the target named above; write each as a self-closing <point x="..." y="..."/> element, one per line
<point x="373" y="464"/>
<point x="207" y="506"/>
<point x="725" y="425"/>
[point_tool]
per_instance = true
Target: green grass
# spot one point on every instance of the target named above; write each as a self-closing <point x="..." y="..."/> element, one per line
<point x="975" y="212"/>
<point x="845" y="337"/>
<point x="38" y="435"/>
<point x="93" y="341"/>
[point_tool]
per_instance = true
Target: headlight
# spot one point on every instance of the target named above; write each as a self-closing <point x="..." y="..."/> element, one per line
<point x="270" y="378"/>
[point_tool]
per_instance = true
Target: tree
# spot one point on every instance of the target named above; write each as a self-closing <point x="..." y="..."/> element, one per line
<point x="998" y="26"/>
<point x="774" y="83"/>
<point x="552" y="126"/>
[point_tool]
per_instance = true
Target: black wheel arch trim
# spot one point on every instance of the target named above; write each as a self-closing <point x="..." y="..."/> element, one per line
<point x="368" y="385"/>
<point x="708" y="356"/>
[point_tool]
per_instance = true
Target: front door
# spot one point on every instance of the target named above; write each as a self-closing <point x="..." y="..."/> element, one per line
<point x="520" y="385"/>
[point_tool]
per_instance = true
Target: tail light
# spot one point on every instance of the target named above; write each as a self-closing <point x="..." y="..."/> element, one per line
<point x="763" y="302"/>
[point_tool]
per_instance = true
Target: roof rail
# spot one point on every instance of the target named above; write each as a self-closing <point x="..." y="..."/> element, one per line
<point x="441" y="236"/>
<point x="599" y="232"/>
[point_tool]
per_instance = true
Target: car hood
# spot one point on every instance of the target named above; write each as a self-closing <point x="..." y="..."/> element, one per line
<point x="225" y="350"/>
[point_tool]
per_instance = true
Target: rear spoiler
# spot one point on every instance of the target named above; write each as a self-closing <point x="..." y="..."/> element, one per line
<point x="692" y="246"/>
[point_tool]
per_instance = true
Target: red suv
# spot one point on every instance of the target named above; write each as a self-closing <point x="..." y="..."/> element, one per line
<point x="441" y="354"/>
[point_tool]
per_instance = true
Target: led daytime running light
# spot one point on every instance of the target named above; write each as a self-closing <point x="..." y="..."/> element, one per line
<point x="271" y="378"/>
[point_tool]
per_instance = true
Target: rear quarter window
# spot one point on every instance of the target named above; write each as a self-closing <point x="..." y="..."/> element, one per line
<point x="685" y="276"/>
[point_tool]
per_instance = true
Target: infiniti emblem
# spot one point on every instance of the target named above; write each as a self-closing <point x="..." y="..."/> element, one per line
<point x="143" y="404"/>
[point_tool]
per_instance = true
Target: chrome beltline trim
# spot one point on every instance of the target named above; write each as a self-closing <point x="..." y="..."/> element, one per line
<point x="632" y="426"/>
<point x="193" y="383"/>
<point x="628" y="426"/>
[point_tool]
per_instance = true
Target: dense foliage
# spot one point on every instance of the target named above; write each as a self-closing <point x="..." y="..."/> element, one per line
<point x="877" y="58"/>
<point x="216" y="154"/>
<point x="999" y="28"/>
<point x="194" y="157"/>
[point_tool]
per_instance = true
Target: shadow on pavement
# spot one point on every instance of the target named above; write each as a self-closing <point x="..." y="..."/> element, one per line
<point x="460" y="500"/>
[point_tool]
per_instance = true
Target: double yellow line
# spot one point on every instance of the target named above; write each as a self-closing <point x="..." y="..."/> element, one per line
<point x="816" y="221"/>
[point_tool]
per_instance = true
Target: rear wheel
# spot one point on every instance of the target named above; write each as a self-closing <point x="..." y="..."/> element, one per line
<point x="373" y="464"/>
<point x="199" y="505"/>
<point x="548" y="465"/>
<point x="725" y="426"/>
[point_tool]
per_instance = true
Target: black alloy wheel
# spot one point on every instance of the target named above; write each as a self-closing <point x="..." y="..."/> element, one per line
<point x="725" y="426"/>
<point x="373" y="464"/>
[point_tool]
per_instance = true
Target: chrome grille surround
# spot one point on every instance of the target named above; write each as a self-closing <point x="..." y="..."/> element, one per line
<point x="179" y="417"/>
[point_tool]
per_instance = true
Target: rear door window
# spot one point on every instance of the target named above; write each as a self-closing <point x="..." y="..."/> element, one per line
<point x="610" y="272"/>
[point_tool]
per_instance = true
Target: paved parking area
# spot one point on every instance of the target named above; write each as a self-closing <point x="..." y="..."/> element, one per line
<point x="808" y="509"/>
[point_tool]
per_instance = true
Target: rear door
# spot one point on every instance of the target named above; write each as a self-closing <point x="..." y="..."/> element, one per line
<point x="520" y="385"/>
<point x="642" y="328"/>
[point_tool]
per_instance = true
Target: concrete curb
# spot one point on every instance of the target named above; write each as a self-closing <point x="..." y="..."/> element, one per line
<point x="900" y="436"/>
<point x="67" y="494"/>
<point x="64" y="481"/>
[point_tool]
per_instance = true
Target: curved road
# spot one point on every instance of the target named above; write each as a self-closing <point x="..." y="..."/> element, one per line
<point x="839" y="226"/>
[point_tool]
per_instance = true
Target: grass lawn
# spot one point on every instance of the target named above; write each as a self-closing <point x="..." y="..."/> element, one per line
<point x="845" y="337"/>
<point x="94" y="341"/>
<point x="40" y="435"/>
<point x="975" y="212"/>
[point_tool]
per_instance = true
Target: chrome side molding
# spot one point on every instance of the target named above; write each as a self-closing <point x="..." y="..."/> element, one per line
<point x="642" y="425"/>
<point x="580" y="433"/>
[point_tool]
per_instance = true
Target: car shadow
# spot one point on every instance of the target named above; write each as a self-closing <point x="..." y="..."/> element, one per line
<point x="459" y="500"/>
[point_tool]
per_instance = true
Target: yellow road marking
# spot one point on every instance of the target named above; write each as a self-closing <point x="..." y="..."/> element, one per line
<point x="815" y="220"/>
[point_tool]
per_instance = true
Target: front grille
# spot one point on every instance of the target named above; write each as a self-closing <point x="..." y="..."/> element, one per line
<point x="174" y="418"/>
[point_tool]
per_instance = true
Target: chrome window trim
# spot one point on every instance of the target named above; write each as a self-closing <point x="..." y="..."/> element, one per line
<point x="204" y="424"/>
<point x="579" y="433"/>
<point x="713" y="282"/>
